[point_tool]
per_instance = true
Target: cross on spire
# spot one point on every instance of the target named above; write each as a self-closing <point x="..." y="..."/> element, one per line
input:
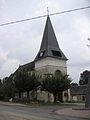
<point x="47" y="11"/>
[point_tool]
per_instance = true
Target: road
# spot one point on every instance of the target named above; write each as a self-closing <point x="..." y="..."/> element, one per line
<point x="25" y="112"/>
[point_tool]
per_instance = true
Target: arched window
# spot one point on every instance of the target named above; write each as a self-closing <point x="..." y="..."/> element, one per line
<point x="58" y="72"/>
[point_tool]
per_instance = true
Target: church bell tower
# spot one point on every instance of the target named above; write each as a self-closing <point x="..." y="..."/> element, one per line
<point x="50" y="58"/>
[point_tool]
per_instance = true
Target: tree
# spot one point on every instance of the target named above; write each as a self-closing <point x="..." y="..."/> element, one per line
<point x="31" y="82"/>
<point x="74" y="84"/>
<point x="7" y="88"/>
<point x="84" y="77"/>
<point x="1" y="95"/>
<point x="0" y="82"/>
<point x="56" y="84"/>
<point x="26" y="81"/>
<point x="20" y="78"/>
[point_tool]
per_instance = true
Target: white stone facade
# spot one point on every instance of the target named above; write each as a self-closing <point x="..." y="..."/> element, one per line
<point x="50" y="65"/>
<point x="67" y="96"/>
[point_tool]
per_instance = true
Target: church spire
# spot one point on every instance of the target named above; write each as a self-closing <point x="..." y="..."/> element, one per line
<point x="49" y="46"/>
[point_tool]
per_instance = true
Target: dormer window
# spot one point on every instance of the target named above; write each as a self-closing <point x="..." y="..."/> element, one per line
<point x="41" y="54"/>
<point x="56" y="53"/>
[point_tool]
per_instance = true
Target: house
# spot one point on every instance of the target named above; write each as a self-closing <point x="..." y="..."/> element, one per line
<point x="75" y="94"/>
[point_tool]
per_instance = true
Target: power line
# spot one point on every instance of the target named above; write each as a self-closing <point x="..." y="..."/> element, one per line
<point x="72" y="10"/>
<point x="28" y="19"/>
<point x="23" y="20"/>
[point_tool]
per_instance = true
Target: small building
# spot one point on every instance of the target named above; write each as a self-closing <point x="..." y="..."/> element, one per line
<point x="75" y="94"/>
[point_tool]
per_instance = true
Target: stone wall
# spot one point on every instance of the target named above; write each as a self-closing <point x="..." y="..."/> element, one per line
<point x="50" y="65"/>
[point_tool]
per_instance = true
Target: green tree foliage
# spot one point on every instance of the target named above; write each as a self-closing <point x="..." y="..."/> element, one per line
<point x="1" y="95"/>
<point x="26" y="81"/>
<point x="20" y="79"/>
<point x="19" y="82"/>
<point x="0" y="82"/>
<point x="74" y="84"/>
<point x="7" y="88"/>
<point x="32" y="82"/>
<point x="56" y="84"/>
<point x="84" y="77"/>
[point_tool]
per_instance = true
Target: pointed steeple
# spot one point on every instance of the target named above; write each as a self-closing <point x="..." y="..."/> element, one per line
<point x="49" y="46"/>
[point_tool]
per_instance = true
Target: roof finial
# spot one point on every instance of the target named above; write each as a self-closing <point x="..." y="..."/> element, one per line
<point x="47" y="11"/>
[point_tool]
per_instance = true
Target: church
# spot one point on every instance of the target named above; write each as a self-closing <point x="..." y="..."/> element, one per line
<point x="48" y="60"/>
<point x="50" y="57"/>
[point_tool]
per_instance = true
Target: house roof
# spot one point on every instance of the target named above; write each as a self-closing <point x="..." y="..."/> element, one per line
<point x="78" y="90"/>
<point x="49" y="46"/>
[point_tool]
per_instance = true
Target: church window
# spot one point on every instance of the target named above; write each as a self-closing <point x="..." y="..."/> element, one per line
<point x="58" y="72"/>
<point x="56" y="53"/>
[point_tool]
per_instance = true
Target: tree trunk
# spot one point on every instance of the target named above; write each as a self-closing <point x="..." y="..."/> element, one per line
<point x="28" y="94"/>
<point x="60" y="97"/>
<point x="19" y="94"/>
<point x="55" y="97"/>
<point x="48" y="97"/>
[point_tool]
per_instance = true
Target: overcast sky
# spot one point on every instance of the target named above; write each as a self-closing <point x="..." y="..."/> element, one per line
<point x="19" y="43"/>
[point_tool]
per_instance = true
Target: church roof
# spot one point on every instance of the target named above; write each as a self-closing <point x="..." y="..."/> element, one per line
<point x="49" y="46"/>
<point x="26" y="67"/>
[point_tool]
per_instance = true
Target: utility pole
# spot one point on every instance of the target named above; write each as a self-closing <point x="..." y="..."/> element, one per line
<point x="87" y="103"/>
<point x="88" y="45"/>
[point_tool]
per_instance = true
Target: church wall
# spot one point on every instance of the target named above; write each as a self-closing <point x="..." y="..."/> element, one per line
<point x="44" y="96"/>
<point x="50" y="65"/>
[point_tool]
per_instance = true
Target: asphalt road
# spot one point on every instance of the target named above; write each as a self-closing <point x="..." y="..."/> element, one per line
<point x="22" y="112"/>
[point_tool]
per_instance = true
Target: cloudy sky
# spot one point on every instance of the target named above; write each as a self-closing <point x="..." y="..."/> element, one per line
<point x="19" y="43"/>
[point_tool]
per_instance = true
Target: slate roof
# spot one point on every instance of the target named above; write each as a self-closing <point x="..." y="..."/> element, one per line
<point x="49" y="46"/>
<point x="27" y="67"/>
<point x="78" y="90"/>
